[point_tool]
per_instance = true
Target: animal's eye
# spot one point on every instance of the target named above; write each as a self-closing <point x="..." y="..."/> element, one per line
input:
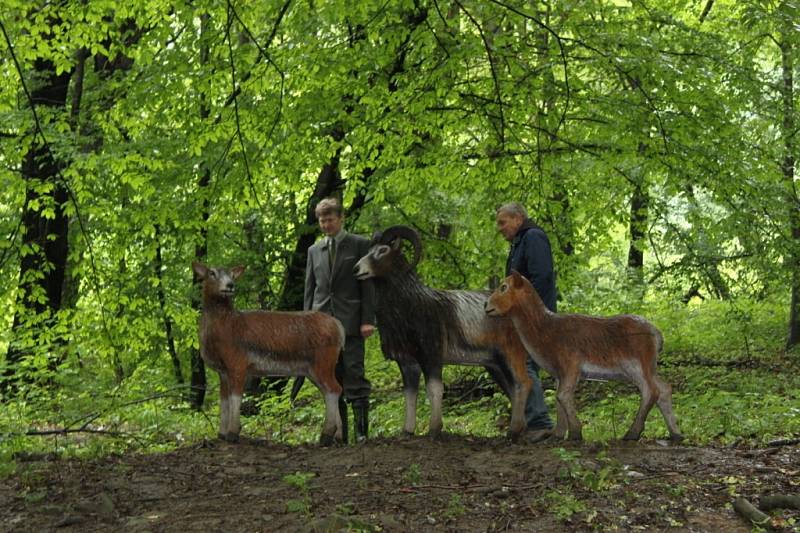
<point x="212" y="274"/>
<point x="504" y="287"/>
<point x="380" y="251"/>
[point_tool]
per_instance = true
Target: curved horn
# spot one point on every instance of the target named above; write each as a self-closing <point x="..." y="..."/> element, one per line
<point x="403" y="232"/>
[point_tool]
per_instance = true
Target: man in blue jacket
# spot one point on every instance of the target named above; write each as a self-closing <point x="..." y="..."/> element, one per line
<point x="531" y="256"/>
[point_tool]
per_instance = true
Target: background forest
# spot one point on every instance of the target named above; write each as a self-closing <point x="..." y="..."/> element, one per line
<point x="655" y="142"/>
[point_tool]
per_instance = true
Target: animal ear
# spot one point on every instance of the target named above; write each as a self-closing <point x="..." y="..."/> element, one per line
<point x="237" y="271"/>
<point x="200" y="269"/>
<point x="396" y="243"/>
<point x="516" y="279"/>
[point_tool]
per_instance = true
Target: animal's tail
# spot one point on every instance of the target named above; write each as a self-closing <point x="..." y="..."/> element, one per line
<point x="659" y="341"/>
<point x="342" y="335"/>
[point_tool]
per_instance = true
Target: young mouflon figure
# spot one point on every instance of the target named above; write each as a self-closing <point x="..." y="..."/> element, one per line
<point x="237" y="343"/>
<point x="571" y="347"/>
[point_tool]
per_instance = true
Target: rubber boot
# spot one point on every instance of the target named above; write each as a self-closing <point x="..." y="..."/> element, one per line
<point x="343" y="415"/>
<point x="361" y="420"/>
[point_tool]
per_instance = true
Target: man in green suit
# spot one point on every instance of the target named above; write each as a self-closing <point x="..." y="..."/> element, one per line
<point x="332" y="288"/>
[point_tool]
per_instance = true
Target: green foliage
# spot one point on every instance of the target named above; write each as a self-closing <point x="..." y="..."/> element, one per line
<point x="564" y="504"/>
<point x="455" y="507"/>
<point x="412" y="475"/>
<point x="300" y="480"/>
<point x="597" y="475"/>
<point x="432" y="119"/>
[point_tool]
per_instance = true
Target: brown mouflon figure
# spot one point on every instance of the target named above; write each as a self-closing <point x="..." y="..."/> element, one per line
<point x="571" y="347"/>
<point x="237" y="343"/>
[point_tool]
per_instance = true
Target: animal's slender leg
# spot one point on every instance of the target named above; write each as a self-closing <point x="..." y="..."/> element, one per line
<point x="435" y="389"/>
<point x="324" y="377"/>
<point x="224" y="406"/>
<point x="521" y="389"/>
<point x="410" y="373"/>
<point x="566" y="401"/>
<point x="649" y="396"/>
<point x="236" y="385"/>
<point x="665" y="406"/>
<point x="562" y="420"/>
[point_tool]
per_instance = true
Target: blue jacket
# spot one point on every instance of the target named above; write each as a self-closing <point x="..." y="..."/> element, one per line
<point x="531" y="256"/>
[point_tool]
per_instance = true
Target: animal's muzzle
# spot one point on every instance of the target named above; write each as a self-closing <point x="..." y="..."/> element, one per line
<point x="360" y="272"/>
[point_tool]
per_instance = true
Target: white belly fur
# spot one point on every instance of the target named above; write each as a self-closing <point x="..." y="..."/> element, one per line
<point x="270" y="367"/>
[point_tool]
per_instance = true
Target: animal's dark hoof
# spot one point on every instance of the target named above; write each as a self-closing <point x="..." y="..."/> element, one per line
<point x="326" y="440"/>
<point x="677" y="437"/>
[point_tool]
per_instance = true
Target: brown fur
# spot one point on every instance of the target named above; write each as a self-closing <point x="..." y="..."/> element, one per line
<point x="241" y="343"/>
<point x="572" y="346"/>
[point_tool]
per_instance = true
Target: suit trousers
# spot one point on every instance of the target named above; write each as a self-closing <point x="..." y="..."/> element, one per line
<point x="350" y="371"/>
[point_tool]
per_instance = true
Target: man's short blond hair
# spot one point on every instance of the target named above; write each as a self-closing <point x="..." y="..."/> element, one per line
<point x="514" y="209"/>
<point x="329" y="206"/>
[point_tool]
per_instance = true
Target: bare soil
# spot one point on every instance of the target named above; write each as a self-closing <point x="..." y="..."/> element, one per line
<point x="456" y="483"/>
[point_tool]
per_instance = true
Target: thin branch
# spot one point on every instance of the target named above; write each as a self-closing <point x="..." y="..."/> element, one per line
<point x="263" y="53"/>
<point x="562" y="53"/>
<point x="498" y="92"/>
<point x="236" y="109"/>
<point x="65" y="431"/>
<point x="87" y="419"/>
<point x="706" y="11"/>
<point x="784" y="442"/>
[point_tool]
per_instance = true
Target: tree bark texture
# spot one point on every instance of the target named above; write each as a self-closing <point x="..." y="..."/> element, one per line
<point x="45" y="225"/>
<point x="789" y="132"/>
<point x="158" y="267"/>
<point x="197" y="387"/>
<point x="640" y="203"/>
<point x="750" y="512"/>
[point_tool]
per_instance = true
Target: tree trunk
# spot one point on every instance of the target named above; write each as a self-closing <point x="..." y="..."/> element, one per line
<point x="640" y="202"/>
<point x="788" y="133"/>
<point x="639" y="214"/>
<point x="44" y="225"/>
<point x="158" y="266"/>
<point x="197" y="388"/>
<point x="70" y="293"/>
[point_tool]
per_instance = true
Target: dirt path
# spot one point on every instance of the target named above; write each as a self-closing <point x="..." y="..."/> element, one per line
<point x="455" y="484"/>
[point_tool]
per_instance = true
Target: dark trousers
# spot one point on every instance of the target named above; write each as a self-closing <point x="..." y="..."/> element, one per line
<point x="350" y="371"/>
<point x="536" y="414"/>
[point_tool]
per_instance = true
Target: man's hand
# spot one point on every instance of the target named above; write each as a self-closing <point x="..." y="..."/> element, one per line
<point x="367" y="330"/>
